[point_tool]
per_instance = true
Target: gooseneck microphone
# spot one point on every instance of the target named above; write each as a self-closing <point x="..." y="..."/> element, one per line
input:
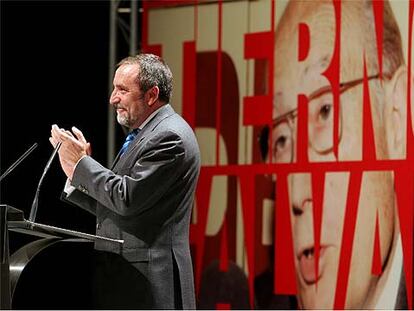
<point x="33" y="210"/>
<point x="22" y="157"/>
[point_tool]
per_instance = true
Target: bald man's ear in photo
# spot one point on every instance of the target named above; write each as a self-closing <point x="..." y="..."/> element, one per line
<point x="395" y="113"/>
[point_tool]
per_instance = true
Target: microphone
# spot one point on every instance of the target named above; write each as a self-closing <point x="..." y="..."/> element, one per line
<point x="33" y="210"/>
<point x="22" y="157"/>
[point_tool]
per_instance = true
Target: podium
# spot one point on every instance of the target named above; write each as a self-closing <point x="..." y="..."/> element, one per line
<point x="62" y="270"/>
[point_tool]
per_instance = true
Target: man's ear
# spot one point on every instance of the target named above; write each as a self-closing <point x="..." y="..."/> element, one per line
<point x="151" y="96"/>
<point x="395" y="114"/>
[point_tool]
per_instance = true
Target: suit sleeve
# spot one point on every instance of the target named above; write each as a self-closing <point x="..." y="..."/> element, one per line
<point x="138" y="188"/>
<point x="80" y="199"/>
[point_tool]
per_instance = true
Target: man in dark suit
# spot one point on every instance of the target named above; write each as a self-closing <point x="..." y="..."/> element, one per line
<point x="146" y="197"/>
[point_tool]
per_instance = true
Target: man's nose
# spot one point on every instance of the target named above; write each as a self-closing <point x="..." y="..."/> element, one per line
<point x="114" y="99"/>
<point x="300" y="189"/>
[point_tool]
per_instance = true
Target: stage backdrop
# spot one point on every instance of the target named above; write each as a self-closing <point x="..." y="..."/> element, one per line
<point x="303" y="113"/>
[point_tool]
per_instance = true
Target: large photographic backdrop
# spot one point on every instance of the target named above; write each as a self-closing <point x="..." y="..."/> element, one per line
<point x="303" y="112"/>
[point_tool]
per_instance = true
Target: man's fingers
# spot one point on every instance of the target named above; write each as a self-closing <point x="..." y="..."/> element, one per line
<point x="53" y="142"/>
<point x="68" y="139"/>
<point x="54" y="131"/>
<point x="65" y="136"/>
<point x="79" y="134"/>
<point x="56" y="136"/>
<point x="69" y="133"/>
<point x="58" y="133"/>
<point x="88" y="149"/>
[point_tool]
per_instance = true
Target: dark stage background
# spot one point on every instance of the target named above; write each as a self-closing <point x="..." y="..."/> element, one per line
<point x="54" y="69"/>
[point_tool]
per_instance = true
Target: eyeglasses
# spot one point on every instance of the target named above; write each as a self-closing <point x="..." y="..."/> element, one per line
<point x="320" y="120"/>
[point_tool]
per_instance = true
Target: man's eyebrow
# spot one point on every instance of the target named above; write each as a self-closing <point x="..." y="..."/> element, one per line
<point x="121" y="86"/>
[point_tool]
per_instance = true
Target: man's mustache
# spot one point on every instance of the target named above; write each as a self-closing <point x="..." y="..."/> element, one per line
<point x="118" y="106"/>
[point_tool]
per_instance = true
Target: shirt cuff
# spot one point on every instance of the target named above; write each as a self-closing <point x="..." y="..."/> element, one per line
<point x="68" y="189"/>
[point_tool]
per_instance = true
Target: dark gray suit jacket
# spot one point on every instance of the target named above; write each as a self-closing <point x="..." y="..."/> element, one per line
<point x="146" y="199"/>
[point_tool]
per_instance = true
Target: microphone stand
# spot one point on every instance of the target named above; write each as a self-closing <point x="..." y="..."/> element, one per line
<point x="56" y="231"/>
<point x="22" y="157"/>
<point x="33" y="210"/>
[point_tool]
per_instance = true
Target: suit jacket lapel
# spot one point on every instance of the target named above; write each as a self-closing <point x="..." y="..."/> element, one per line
<point x="116" y="160"/>
<point x="163" y="113"/>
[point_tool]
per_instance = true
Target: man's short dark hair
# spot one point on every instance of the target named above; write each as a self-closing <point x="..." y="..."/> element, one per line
<point x="153" y="71"/>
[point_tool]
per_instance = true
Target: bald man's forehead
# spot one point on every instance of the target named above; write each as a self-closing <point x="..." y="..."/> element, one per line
<point x="315" y="14"/>
<point x="320" y="20"/>
<point x="293" y="76"/>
